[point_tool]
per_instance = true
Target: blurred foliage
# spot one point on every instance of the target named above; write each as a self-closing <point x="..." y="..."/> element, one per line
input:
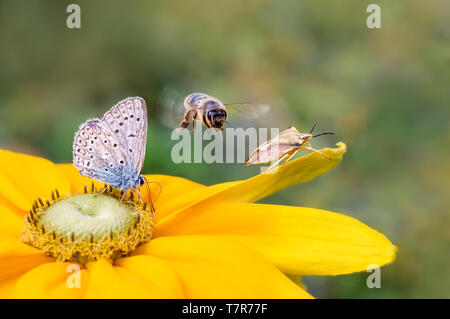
<point x="384" y="91"/>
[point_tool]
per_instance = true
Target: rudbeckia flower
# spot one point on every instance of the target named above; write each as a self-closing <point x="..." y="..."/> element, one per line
<point x="202" y="242"/>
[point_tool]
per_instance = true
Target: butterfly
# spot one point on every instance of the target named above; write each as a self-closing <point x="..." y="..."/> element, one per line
<point x="112" y="149"/>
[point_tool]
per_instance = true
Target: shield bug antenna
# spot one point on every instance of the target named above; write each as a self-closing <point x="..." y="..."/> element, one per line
<point x="326" y="133"/>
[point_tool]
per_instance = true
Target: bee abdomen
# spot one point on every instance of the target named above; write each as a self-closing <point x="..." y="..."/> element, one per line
<point x="195" y="99"/>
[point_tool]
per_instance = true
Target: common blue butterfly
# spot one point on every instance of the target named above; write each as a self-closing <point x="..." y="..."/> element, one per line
<point x="112" y="149"/>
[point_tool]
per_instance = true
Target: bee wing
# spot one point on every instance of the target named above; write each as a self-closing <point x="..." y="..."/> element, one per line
<point x="172" y="108"/>
<point x="271" y="150"/>
<point x="247" y="109"/>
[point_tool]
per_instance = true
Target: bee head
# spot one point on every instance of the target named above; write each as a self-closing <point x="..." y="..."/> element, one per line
<point x="217" y="117"/>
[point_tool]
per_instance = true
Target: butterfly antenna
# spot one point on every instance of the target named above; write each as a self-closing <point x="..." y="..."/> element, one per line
<point x="152" y="208"/>
<point x="314" y="126"/>
<point x="160" y="189"/>
<point x="327" y="133"/>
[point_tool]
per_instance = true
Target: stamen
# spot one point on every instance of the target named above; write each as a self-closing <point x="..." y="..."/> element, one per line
<point x="88" y="226"/>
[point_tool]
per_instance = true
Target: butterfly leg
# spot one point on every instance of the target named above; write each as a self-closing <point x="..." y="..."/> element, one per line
<point x="104" y="190"/>
<point x="140" y="196"/>
<point x="123" y="196"/>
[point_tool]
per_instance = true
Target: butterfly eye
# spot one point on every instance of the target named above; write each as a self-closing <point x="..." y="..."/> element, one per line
<point x="141" y="181"/>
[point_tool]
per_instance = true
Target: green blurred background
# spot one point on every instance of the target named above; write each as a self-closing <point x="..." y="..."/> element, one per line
<point x="384" y="91"/>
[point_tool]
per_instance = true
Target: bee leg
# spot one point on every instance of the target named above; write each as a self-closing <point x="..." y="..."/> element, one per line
<point x="194" y="120"/>
<point x="186" y="120"/>
<point x="193" y="125"/>
<point x="309" y="148"/>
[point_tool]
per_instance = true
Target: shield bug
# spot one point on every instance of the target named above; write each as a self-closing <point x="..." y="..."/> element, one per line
<point x="283" y="147"/>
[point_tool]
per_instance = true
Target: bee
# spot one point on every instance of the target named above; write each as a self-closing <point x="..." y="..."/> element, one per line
<point x="212" y="112"/>
<point x="283" y="147"/>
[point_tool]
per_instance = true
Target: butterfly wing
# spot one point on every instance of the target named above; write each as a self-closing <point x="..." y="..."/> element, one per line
<point x="112" y="149"/>
<point x="127" y="120"/>
<point x="96" y="153"/>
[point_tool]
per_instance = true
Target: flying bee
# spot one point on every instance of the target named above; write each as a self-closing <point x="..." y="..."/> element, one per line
<point x="284" y="146"/>
<point x="212" y="112"/>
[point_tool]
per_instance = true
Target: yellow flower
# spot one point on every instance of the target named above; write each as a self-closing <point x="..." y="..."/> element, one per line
<point x="207" y="241"/>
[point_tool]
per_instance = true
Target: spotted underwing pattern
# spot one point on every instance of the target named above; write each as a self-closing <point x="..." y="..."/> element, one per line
<point x="112" y="149"/>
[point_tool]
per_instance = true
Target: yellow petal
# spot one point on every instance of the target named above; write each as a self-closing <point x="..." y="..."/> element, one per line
<point x="23" y="178"/>
<point x="17" y="258"/>
<point x="52" y="280"/>
<point x="298" y="240"/>
<point x="156" y="273"/>
<point x="7" y="287"/>
<point x="11" y="224"/>
<point x="211" y="267"/>
<point x="128" y="280"/>
<point x="294" y="172"/>
<point x="166" y="188"/>
<point x="163" y="188"/>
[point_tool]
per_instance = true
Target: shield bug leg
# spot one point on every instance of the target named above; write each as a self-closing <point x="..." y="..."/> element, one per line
<point x="291" y="156"/>
<point x="276" y="163"/>
<point x="309" y="148"/>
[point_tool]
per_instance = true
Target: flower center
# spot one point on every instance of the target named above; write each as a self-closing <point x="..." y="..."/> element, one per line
<point x="88" y="226"/>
